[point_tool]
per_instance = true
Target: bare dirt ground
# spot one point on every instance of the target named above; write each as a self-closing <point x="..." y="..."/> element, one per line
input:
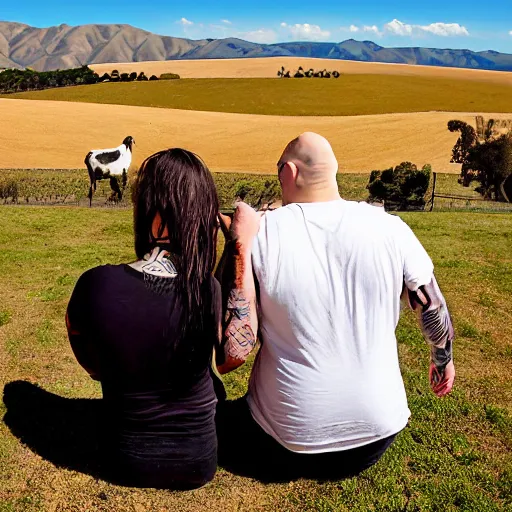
<point x="267" y="67"/>
<point x="48" y="134"/>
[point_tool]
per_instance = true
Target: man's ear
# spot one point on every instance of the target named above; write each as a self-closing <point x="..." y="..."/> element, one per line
<point x="289" y="173"/>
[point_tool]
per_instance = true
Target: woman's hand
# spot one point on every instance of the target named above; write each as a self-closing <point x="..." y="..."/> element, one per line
<point x="246" y="224"/>
<point x="243" y="226"/>
<point x="225" y="225"/>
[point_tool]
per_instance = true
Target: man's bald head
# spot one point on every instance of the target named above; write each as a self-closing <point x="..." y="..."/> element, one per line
<point x="314" y="158"/>
<point x="307" y="170"/>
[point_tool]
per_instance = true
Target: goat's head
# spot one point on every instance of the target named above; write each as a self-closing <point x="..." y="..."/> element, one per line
<point x="128" y="142"/>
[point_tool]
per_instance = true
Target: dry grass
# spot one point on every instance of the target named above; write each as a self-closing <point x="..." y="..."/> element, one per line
<point x="59" y="135"/>
<point x="267" y="68"/>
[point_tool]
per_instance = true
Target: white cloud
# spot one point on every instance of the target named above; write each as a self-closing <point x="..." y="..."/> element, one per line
<point x="353" y="28"/>
<point x="227" y="22"/>
<point x="510" y="33"/>
<point x="373" y="29"/>
<point x="306" y="32"/>
<point x="262" y="35"/>
<point x="398" y="28"/>
<point x="446" y="29"/>
<point x="185" y="22"/>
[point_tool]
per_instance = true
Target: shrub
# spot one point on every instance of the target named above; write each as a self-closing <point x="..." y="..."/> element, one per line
<point x="9" y="189"/>
<point x="169" y="76"/>
<point x="401" y="188"/>
<point x="133" y="76"/>
<point x="153" y="77"/>
<point x="124" y="77"/>
<point x="114" y="76"/>
<point x="142" y="77"/>
<point x="104" y="77"/>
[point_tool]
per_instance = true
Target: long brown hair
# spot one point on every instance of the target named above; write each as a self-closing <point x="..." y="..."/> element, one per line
<point x="176" y="184"/>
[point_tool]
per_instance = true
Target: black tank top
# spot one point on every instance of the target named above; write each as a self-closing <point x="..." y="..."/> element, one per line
<point x="158" y="392"/>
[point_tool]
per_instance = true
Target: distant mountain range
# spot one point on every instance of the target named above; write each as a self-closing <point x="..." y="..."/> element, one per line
<point x="64" y="47"/>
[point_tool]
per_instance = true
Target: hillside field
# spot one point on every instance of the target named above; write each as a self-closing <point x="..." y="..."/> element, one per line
<point x="39" y="134"/>
<point x="455" y="454"/>
<point x="267" y="68"/>
<point x="349" y="95"/>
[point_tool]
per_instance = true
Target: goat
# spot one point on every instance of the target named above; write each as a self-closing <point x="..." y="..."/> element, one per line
<point x="110" y="163"/>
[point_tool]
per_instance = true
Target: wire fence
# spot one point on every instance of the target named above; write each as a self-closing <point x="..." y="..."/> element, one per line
<point x="446" y="193"/>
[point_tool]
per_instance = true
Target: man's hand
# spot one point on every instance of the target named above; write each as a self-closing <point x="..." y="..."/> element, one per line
<point x="442" y="381"/>
<point x="437" y="328"/>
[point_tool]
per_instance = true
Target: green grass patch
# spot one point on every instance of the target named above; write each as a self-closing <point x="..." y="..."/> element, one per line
<point x="5" y="317"/>
<point x="349" y="95"/>
<point x="455" y="454"/>
<point x="44" y="333"/>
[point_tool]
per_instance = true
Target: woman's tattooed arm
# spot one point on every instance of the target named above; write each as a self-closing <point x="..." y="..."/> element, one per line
<point x="240" y="325"/>
<point x="435" y="322"/>
<point x="240" y="321"/>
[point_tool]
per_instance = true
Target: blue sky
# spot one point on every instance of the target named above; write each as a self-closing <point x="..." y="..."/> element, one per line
<point x="436" y="23"/>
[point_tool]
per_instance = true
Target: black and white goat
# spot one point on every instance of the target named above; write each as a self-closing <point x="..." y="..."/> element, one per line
<point x="110" y="163"/>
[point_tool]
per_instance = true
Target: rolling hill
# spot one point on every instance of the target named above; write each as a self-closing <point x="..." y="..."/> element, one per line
<point x="227" y="142"/>
<point x="266" y="67"/>
<point x="65" y="46"/>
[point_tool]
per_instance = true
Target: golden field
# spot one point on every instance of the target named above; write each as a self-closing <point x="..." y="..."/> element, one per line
<point x="350" y="95"/>
<point x="268" y="66"/>
<point x="52" y="134"/>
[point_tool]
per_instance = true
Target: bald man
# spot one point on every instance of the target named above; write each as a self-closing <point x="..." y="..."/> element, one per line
<point x="326" y="397"/>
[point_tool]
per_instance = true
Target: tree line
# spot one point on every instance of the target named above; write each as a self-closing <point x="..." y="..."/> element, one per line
<point x="20" y="80"/>
<point x="115" y="76"/>
<point x="310" y="73"/>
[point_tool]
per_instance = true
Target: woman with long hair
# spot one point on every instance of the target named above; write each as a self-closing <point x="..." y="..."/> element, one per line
<point x="147" y="330"/>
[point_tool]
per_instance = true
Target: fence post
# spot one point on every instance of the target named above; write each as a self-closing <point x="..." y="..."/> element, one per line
<point x="433" y="192"/>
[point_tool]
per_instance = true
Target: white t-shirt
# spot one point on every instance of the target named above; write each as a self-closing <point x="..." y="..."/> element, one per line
<point x="331" y="274"/>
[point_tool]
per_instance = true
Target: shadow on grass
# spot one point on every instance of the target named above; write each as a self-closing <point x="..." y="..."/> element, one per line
<point x="262" y="458"/>
<point x="63" y="431"/>
<point x="66" y="432"/>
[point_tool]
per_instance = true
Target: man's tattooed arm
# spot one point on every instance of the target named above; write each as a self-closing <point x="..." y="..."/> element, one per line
<point x="435" y="323"/>
<point x="239" y="298"/>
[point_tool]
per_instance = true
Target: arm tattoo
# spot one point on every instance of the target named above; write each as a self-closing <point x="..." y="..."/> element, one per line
<point x="238" y="338"/>
<point x="435" y="322"/>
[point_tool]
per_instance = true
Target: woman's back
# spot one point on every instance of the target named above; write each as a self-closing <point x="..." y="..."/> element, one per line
<point x="147" y="330"/>
<point x="158" y="394"/>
